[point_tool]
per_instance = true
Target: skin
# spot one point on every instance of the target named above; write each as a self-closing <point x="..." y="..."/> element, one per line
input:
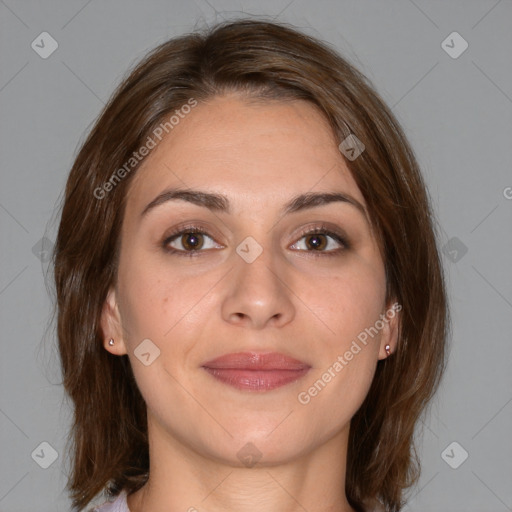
<point x="290" y="299"/>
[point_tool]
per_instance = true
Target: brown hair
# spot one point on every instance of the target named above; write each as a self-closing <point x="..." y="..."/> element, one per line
<point x="269" y="61"/>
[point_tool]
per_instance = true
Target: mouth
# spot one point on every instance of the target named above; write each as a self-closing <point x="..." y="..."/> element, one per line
<point x="255" y="371"/>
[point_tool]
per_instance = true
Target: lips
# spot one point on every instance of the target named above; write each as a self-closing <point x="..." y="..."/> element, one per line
<point x="256" y="371"/>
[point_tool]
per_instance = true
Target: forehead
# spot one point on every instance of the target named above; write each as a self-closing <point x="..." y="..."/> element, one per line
<point x="253" y="152"/>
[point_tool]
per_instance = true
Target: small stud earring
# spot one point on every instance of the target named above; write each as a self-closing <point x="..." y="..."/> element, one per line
<point x="111" y="342"/>
<point x="387" y="348"/>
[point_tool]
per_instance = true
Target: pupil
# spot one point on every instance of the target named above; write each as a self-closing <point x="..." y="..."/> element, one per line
<point x="191" y="241"/>
<point x="316" y="241"/>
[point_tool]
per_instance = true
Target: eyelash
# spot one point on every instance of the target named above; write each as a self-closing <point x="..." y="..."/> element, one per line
<point x="197" y="252"/>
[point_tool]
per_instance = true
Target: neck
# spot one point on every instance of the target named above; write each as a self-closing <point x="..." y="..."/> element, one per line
<point x="183" y="478"/>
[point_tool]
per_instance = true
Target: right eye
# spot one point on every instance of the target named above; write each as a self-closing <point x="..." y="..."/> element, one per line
<point x="188" y="242"/>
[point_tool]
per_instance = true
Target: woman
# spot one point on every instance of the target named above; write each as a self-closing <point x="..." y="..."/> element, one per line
<point x="251" y="308"/>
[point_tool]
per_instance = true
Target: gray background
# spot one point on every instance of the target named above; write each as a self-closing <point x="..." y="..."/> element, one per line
<point x="457" y="113"/>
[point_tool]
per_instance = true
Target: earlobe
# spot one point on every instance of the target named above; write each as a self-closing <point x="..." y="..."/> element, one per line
<point x="117" y="349"/>
<point x="113" y="341"/>
<point x="389" y="337"/>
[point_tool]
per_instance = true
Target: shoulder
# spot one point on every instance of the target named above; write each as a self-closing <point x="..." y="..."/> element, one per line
<point x="119" y="504"/>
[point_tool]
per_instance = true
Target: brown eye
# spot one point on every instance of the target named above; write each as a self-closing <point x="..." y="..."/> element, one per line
<point x="321" y="241"/>
<point x="189" y="242"/>
<point x="192" y="241"/>
<point x="316" y="241"/>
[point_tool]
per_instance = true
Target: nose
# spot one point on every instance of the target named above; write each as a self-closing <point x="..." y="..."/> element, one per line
<point x="258" y="295"/>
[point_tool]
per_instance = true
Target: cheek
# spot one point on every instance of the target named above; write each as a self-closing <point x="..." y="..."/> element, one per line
<point x="157" y="299"/>
<point x="351" y="304"/>
<point x="167" y="307"/>
<point x="350" y="301"/>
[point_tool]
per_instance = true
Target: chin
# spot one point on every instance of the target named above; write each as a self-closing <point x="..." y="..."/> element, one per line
<point x="263" y="446"/>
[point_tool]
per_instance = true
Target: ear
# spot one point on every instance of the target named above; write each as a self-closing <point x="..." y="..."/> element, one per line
<point x="111" y="325"/>
<point x="389" y="336"/>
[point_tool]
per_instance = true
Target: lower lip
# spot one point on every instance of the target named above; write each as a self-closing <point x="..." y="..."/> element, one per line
<point x="256" y="380"/>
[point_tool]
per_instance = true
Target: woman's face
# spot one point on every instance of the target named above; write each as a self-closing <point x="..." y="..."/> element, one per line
<point x="257" y="283"/>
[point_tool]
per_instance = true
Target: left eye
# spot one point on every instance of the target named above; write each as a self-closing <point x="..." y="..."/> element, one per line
<point x="319" y="242"/>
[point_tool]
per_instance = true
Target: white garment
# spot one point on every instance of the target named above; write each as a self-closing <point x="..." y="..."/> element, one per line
<point x="118" y="505"/>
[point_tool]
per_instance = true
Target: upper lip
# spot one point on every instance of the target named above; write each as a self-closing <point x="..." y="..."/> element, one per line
<point x="256" y="361"/>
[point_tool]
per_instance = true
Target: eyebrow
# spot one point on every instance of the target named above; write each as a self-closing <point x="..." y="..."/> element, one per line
<point x="220" y="203"/>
